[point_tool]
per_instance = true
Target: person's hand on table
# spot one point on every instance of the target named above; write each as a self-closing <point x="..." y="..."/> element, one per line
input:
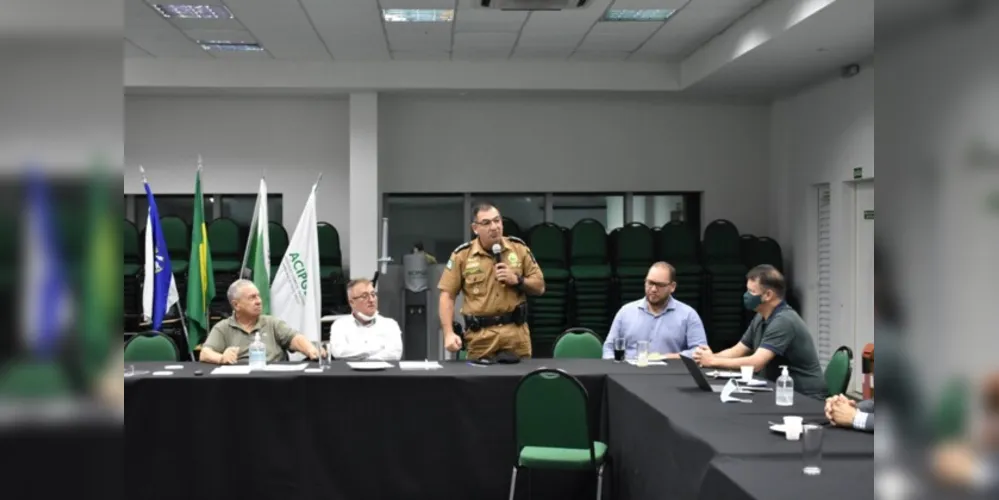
<point x="955" y="464"/>
<point x="452" y="342"/>
<point x="704" y="356"/>
<point x="229" y="356"/>
<point x="842" y="412"/>
<point x="312" y="353"/>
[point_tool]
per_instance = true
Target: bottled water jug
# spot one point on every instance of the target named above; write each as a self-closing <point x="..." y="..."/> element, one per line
<point x="785" y="388"/>
<point x="258" y="353"/>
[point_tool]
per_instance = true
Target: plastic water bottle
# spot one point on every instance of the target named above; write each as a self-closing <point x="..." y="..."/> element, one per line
<point x="258" y="353"/>
<point x="785" y="388"/>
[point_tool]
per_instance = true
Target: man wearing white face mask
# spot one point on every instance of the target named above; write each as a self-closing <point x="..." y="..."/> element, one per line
<point x="365" y="334"/>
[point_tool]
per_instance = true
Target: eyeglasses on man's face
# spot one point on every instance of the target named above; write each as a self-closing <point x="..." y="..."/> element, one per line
<point x="489" y="222"/>
<point x="366" y="296"/>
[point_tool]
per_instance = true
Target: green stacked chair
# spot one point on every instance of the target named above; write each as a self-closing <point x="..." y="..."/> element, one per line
<point x="678" y="246"/>
<point x="151" y="346"/>
<point x="749" y="246"/>
<point x="278" y="239"/>
<point x="726" y="271"/>
<point x="226" y="245"/>
<point x="578" y="343"/>
<point x="769" y="252"/>
<point x="511" y="228"/>
<point x="178" y="241"/>
<point x="634" y="254"/>
<point x="331" y="270"/>
<point x="547" y="313"/>
<point x="592" y="283"/>
<point x="131" y="267"/>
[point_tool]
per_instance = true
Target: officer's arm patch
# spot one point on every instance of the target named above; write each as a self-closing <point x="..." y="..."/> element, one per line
<point x="450" y="263"/>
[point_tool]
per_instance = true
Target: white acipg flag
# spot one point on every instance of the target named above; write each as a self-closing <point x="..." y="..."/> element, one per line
<point x="296" y="294"/>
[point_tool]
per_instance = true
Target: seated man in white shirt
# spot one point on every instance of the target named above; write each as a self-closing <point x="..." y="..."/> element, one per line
<point x="365" y="334"/>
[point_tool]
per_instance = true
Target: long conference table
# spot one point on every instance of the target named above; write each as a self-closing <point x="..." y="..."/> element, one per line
<point x="448" y="434"/>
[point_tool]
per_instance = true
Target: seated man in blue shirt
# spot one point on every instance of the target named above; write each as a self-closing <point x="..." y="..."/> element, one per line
<point x="671" y="327"/>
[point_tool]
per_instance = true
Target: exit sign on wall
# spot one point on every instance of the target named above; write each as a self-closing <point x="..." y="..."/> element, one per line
<point x="858" y="173"/>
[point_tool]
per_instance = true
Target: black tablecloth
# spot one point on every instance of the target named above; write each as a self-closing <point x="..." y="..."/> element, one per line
<point x="731" y="478"/>
<point x="663" y="433"/>
<point x="444" y="433"/>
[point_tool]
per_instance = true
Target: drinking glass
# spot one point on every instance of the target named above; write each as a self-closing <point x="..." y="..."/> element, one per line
<point x="129" y="370"/>
<point x="619" y="349"/>
<point x="324" y="361"/>
<point x="811" y="447"/>
<point x="643" y="353"/>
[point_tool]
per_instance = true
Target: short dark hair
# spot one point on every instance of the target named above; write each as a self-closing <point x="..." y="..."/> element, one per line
<point x="357" y="281"/>
<point x="768" y="277"/>
<point x="418" y="245"/>
<point x="667" y="266"/>
<point x="481" y="206"/>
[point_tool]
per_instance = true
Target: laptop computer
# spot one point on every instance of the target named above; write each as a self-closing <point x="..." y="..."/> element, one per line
<point x="699" y="377"/>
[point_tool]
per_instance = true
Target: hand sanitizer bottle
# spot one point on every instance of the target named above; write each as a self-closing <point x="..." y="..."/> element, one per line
<point x="785" y="388"/>
<point x="258" y="353"/>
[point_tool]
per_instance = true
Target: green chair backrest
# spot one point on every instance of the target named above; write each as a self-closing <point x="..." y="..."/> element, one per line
<point x="750" y="254"/>
<point x="550" y="410"/>
<point x="677" y="244"/>
<point x="462" y="355"/>
<point x="548" y="245"/>
<point x="770" y="252"/>
<point x="580" y="343"/>
<point x="224" y="239"/>
<point x="177" y="236"/>
<point x="721" y="243"/>
<point x="33" y="379"/>
<point x="950" y="416"/>
<point x="130" y="242"/>
<point x="278" y="238"/>
<point x="151" y="346"/>
<point x="511" y="228"/>
<point x="589" y="243"/>
<point x="839" y="371"/>
<point x="329" y="245"/>
<point x="635" y="246"/>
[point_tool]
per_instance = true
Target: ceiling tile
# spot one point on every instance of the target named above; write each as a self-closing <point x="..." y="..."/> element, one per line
<point x="503" y="41"/>
<point x="212" y="24"/>
<point x="236" y="36"/>
<point x="635" y="30"/>
<point x="241" y="55"/>
<point x="348" y="27"/>
<point x="281" y="27"/>
<point x="132" y="50"/>
<point x="535" y="53"/>
<point x="408" y="55"/>
<point x="611" y="42"/>
<point x="153" y="33"/>
<point x="422" y="37"/>
<point x="483" y="20"/>
<point x="560" y="29"/>
<point x="652" y="4"/>
<point x="480" y="55"/>
<point x="599" y="55"/>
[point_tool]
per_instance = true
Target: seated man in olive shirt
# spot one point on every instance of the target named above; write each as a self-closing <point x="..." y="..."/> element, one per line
<point x="229" y="340"/>
<point x="776" y="336"/>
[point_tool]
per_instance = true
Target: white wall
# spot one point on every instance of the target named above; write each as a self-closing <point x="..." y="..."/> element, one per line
<point x="819" y="136"/>
<point x="238" y="138"/>
<point x="586" y="143"/>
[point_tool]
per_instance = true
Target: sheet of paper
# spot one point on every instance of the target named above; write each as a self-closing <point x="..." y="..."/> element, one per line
<point x="232" y="370"/>
<point x="286" y="368"/>
<point x="419" y="365"/>
<point x="369" y="365"/>
<point x="634" y="362"/>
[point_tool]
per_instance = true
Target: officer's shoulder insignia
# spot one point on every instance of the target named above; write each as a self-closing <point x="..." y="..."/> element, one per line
<point x="463" y="246"/>
<point x="450" y="263"/>
<point x="517" y="240"/>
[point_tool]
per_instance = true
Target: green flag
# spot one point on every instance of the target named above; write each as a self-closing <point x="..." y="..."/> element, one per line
<point x="258" y="249"/>
<point x="101" y="298"/>
<point x="200" y="278"/>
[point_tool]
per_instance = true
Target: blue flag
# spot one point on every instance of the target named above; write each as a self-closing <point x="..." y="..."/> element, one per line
<point x="159" y="288"/>
<point x="48" y="296"/>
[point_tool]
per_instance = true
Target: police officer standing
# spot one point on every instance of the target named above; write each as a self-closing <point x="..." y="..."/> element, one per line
<point x="496" y="274"/>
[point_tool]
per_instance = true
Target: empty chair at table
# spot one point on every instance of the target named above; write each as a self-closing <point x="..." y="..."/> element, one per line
<point x="670" y="326"/>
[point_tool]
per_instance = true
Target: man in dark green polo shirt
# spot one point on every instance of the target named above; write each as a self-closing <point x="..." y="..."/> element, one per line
<point x="229" y="340"/>
<point x="776" y="333"/>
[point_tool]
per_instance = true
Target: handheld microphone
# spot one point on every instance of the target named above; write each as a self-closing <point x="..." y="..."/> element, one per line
<point x="497" y="250"/>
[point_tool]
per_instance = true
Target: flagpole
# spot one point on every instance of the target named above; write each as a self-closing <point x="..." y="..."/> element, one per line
<point x="246" y="251"/>
<point x="183" y="325"/>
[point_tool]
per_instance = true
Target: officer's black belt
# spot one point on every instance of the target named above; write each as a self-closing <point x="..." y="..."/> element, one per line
<point x="517" y="316"/>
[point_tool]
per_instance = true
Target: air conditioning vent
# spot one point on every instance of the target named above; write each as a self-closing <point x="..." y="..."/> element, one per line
<point x="534" y="4"/>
